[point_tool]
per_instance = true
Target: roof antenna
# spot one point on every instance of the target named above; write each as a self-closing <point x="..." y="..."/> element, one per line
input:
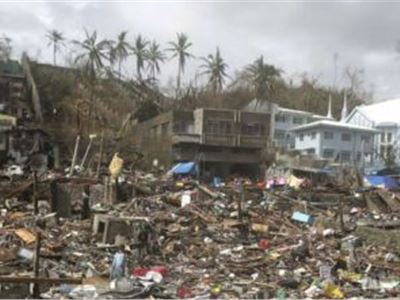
<point x="344" y="108"/>
<point x="329" y="115"/>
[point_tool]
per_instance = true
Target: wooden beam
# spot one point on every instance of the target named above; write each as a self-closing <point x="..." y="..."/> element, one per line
<point x="40" y="280"/>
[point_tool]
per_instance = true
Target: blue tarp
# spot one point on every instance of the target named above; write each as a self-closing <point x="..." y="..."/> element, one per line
<point x="382" y="182"/>
<point x="302" y="217"/>
<point x="188" y="168"/>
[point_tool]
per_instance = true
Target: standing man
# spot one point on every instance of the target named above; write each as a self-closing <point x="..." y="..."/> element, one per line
<point x="118" y="264"/>
<point x="85" y="210"/>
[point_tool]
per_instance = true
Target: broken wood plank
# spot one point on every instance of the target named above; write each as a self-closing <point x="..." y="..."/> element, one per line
<point x="40" y="280"/>
<point x="25" y="235"/>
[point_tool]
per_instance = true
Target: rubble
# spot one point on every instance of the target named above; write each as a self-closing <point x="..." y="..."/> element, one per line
<point x="186" y="239"/>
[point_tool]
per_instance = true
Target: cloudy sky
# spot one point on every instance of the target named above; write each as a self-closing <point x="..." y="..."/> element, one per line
<point x="296" y="36"/>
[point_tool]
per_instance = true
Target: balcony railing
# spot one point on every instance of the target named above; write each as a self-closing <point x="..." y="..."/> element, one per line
<point x="251" y="141"/>
<point x="185" y="138"/>
<point x="218" y="140"/>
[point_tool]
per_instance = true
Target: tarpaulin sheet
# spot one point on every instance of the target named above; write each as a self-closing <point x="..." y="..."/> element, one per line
<point x="188" y="168"/>
<point x="381" y="181"/>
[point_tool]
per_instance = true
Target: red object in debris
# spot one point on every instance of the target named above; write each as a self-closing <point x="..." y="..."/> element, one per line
<point x="261" y="185"/>
<point x="139" y="272"/>
<point x="263" y="244"/>
<point x="184" y="292"/>
<point x="160" y="269"/>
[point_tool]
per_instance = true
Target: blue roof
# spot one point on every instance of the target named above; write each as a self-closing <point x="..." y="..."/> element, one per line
<point x="188" y="168"/>
<point x="382" y="181"/>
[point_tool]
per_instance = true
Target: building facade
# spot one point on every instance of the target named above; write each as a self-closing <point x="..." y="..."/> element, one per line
<point x="385" y="118"/>
<point x="222" y="141"/>
<point x="337" y="141"/>
<point x="284" y="120"/>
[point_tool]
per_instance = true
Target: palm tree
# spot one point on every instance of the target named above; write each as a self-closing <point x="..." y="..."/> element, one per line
<point x="261" y="77"/>
<point x="120" y="51"/>
<point x="139" y="49"/>
<point x="215" y="68"/>
<point x="93" y="52"/>
<point x="154" y="57"/>
<point x="180" y="49"/>
<point x="56" y="39"/>
<point x="5" y="48"/>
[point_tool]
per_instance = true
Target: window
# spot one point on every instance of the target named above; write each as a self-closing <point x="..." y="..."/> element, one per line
<point x="280" y="118"/>
<point x="328" y="153"/>
<point x="382" y="137"/>
<point x="389" y="151"/>
<point x="365" y="139"/>
<point x="211" y="127"/>
<point x="253" y="129"/>
<point x="328" y="135"/>
<point x="153" y="131"/>
<point x="3" y="142"/>
<point x="313" y="135"/>
<point x="181" y="126"/>
<point x="382" y="151"/>
<point x="301" y="137"/>
<point x="297" y="120"/>
<point x="359" y="156"/>
<point x="389" y="137"/>
<point x="221" y="127"/>
<point x="346" y="137"/>
<point x="279" y="134"/>
<point x="310" y="151"/>
<point x="345" y="156"/>
<point x="164" y="128"/>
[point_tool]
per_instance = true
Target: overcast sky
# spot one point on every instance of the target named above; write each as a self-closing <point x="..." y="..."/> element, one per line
<point x="296" y="36"/>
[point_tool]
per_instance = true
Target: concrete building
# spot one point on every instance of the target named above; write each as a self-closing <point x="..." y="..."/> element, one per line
<point x="384" y="117"/>
<point x="12" y="89"/>
<point x="339" y="141"/>
<point x="284" y="119"/>
<point x="221" y="141"/>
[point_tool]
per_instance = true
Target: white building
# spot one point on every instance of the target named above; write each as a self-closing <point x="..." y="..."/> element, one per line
<point x="339" y="141"/>
<point x="384" y="117"/>
<point x="284" y="120"/>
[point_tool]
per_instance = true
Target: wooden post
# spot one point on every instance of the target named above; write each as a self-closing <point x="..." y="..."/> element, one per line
<point x="36" y="288"/>
<point x="341" y="214"/>
<point x="240" y="198"/>
<point x="86" y="153"/>
<point x="116" y="190"/>
<point x="34" y="194"/>
<point x="101" y="155"/>
<point x="71" y="171"/>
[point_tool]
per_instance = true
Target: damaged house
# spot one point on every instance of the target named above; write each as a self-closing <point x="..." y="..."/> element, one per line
<point x="221" y="141"/>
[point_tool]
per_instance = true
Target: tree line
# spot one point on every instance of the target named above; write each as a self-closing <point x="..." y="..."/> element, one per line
<point x="98" y="58"/>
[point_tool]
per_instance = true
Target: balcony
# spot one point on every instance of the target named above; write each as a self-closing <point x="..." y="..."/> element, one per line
<point x="218" y="140"/>
<point x="185" y="138"/>
<point x="250" y="141"/>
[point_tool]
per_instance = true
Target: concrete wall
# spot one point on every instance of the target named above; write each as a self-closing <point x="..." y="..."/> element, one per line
<point x="320" y="143"/>
<point x="175" y="144"/>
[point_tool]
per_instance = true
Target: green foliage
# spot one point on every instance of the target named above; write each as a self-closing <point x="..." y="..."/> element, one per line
<point x="139" y="49"/>
<point x="179" y="48"/>
<point x="92" y="54"/>
<point x="56" y="40"/>
<point x="146" y="110"/>
<point x="5" y="48"/>
<point x="154" y="57"/>
<point x="261" y="77"/>
<point x="56" y="85"/>
<point x="215" y="68"/>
